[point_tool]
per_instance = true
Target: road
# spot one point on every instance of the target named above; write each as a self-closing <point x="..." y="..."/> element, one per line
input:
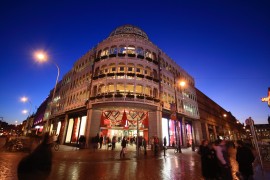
<point x="72" y="164"/>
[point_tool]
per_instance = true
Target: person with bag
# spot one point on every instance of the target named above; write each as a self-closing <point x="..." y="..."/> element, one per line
<point x="124" y="147"/>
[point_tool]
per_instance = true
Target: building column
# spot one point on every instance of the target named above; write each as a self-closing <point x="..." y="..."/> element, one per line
<point x="207" y="132"/>
<point x="64" y="133"/>
<point x="215" y="132"/>
<point x="197" y="132"/>
<point x="183" y="132"/>
<point x="155" y="124"/>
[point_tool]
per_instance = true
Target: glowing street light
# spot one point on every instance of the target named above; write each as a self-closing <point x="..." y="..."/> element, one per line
<point x="41" y="57"/>
<point x="24" y="111"/>
<point x="24" y="100"/>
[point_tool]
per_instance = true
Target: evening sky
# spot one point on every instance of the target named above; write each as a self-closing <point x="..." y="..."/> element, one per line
<point x="223" y="44"/>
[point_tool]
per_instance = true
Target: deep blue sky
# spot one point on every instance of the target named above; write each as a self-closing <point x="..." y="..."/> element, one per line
<point x="223" y="44"/>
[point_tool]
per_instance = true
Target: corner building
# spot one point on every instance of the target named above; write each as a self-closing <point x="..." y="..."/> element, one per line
<point x="124" y="86"/>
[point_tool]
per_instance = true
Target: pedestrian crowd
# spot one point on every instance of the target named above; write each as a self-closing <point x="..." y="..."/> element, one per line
<point x="216" y="164"/>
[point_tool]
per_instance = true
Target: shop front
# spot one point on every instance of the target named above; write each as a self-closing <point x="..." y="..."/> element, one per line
<point x="171" y="129"/>
<point x="76" y="127"/>
<point x="129" y="123"/>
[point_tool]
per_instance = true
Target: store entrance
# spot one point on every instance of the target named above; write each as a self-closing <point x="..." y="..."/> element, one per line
<point x="130" y="134"/>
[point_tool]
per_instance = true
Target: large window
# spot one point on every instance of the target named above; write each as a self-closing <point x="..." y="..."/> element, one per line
<point x="105" y="52"/>
<point x="147" y="91"/>
<point x="122" y="49"/>
<point x="113" y="50"/>
<point x="140" y="51"/>
<point x="148" y="54"/>
<point x="130" y="88"/>
<point x="131" y="50"/>
<point x="101" y="89"/>
<point x="139" y="89"/>
<point x="110" y="87"/>
<point x="120" y="88"/>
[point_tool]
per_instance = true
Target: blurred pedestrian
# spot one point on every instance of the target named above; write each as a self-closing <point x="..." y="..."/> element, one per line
<point x="245" y="158"/>
<point x="156" y="145"/>
<point x="100" y="141"/>
<point x="144" y="144"/>
<point x="124" y="147"/>
<point x="113" y="142"/>
<point x="223" y="159"/>
<point x="37" y="165"/>
<point x="164" y="145"/>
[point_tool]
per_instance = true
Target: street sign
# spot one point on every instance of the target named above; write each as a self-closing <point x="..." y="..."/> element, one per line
<point x="249" y="121"/>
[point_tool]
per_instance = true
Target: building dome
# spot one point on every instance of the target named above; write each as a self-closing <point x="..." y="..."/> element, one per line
<point x="129" y="29"/>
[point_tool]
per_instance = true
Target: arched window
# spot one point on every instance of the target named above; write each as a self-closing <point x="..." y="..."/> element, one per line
<point x="139" y="69"/>
<point x="131" y="50"/>
<point x="121" y="67"/>
<point x="140" y="51"/>
<point x="105" y="52"/>
<point x="130" y="68"/>
<point x="113" y="50"/>
<point x="122" y="49"/>
<point x="148" y="54"/>
<point x="99" y="54"/>
<point x="147" y="71"/>
<point x="112" y="68"/>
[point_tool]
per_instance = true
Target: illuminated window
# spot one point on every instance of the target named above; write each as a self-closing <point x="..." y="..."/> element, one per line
<point x="131" y="50"/>
<point x="147" y="91"/>
<point x="110" y="87"/>
<point x="130" y="88"/>
<point x="148" y="54"/>
<point x="120" y="87"/>
<point x="139" y="89"/>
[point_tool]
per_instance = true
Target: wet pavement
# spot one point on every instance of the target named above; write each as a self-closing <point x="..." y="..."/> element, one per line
<point x="72" y="164"/>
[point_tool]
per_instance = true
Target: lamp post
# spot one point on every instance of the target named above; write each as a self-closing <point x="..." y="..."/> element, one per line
<point x="41" y="57"/>
<point x="177" y="122"/>
<point x="24" y="100"/>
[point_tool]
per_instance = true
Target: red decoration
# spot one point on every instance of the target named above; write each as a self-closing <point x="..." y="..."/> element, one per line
<point x="102" y="118"/>
<point x="124" y="119"/>
<point x="107" y="122"/>
<point x="146" y="121"/>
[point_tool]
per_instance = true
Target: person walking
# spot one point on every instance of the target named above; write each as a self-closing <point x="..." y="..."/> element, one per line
<point x="113" y="142"/>
<point x="164" y="145"/>
<point x="144" y="144"/>
<point x="245" y="158"/>
<point x="223" y="159"/>
<point x="124" y="147"/>
<point x="100" y="141"/>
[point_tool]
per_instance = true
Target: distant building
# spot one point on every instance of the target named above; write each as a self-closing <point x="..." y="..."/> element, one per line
<point x="216" y="122"/>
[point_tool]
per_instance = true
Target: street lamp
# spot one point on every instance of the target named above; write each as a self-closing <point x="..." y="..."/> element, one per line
<point x="24" y="100"/>
<point x="41" y="57"/>
<point x="182" y="84"/>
